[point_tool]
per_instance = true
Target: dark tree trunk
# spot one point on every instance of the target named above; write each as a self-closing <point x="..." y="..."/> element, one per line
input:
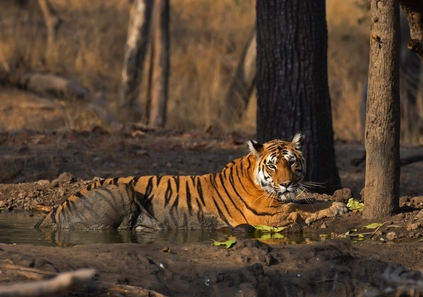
<point x="292" y="85"/>
<point x="381" y="195"/>
<point x="135" y="52"/>
<point x="159" y="68"/>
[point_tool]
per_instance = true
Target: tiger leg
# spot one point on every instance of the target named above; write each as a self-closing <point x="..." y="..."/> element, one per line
<point x="308" y="213"/>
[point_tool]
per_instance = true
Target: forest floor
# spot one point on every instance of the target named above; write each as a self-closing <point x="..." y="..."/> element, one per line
<point x="43" y="167"/>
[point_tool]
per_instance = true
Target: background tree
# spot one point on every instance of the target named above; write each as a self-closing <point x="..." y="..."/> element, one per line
<point x="159" y="66"/>
<point x="52" y="21"/>
<point x="381" y="196"/>
<point x="414" y="11"/>
<point x="242" y="84"/>
<point x="135" y="52"/>
<point x="292" y="84"/>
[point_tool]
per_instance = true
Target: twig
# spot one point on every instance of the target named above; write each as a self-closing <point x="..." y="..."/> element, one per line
<point x="59" y="284"/>
<point x="374" y="232"/>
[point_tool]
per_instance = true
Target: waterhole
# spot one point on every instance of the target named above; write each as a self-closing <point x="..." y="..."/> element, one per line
<point x="17" y="227"/>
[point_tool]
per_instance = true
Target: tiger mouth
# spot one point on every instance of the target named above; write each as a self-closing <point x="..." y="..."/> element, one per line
<point x="286" y="196"/>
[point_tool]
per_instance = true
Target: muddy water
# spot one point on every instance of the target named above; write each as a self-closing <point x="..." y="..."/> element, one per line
<point x="17" y="227"/>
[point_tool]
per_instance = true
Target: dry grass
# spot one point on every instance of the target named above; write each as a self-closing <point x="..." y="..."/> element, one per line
<point x="207" y="39"/>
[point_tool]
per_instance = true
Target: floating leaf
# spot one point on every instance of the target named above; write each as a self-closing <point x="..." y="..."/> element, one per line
<point x="373" y="225"/>
<point x="272" y="236"/>
<point x="229" y="243"/>
<point x="268" y="229"/>
<point x="355" y="205"/>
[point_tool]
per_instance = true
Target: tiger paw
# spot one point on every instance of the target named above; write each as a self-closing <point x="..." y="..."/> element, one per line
<point x="337" y="208"/>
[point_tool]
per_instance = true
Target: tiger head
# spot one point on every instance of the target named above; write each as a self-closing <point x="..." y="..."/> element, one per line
<point x="280" y="167"/>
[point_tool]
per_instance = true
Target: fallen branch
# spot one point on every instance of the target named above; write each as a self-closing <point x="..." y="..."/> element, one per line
<point x="61" y="283"/>
<point x="50" y="84"/>
<point x="30" y="273"/>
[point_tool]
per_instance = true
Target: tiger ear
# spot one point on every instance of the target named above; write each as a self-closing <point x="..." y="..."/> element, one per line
<point x="255" y="147"/>
<point x="298" y="141"/>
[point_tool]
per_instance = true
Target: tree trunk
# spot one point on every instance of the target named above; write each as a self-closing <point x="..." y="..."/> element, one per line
<point x="52" y="22"/>
<point x="135" y="51"/>
<point x="159" y="69"/>
<point x="242" y="85"/>
<point x="410" y="121"/>
<point x="292" y="84"/>
<point x="381" y="195"/>
<point x="414" y="12"/>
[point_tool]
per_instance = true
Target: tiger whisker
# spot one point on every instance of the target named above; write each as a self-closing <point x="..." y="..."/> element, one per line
<point x="313" y="184"/>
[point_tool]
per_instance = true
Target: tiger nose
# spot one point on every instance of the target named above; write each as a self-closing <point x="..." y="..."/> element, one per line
<point x="285" y="184"/>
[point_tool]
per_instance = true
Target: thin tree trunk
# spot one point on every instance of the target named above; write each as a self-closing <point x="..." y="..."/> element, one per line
<point x="242" y="85"/>
<point x="52" y="22"/>
<point x="414" y="12"/>
<point x="159" y="70"/>
<point x="411" y="122"/>
<point x="292" y="84"/>
<point x="381" y="195"/>
<point x="135" y="51"/>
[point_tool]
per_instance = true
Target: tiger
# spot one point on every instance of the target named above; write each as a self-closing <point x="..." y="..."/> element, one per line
<point x="259" y="188"/>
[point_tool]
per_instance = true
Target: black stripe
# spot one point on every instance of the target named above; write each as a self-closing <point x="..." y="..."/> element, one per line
<point x="200" y="213"/>
<point x="149" y="187"/>
<point x="53" y="215"/>
<point x="173" y="209"/>
<point x="77" y="194"/>
<point x="177" y="181"/>
<point x="213" y="183"/>
<point x="200" y="191"/>
<point x="230" y="198"/>
<point x="168" y="193"/>
<point x="159" y="178"/>
<point x="188" y="197"/>
<point x="239" y="174"/>
<point x="222" y="216"/>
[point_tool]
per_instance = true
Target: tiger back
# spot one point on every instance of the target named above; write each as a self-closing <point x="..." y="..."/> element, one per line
<point x="257" y="189"/>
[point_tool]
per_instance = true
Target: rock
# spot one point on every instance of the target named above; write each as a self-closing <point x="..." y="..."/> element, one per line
<point x="413" y="226"/>
<point x="404" y="199"/>
<point x="43" y="182"/>
<point x="66" y="177"/>
<point x="398" y="217"/>
<point x="323" y="226"/>
<point x="419" y="216"/>
<point x="342" y="195"/>
<point x="391" y="236"/>
<point x="417" y="200"/>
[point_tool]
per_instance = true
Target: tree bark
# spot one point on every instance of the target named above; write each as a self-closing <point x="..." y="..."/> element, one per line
<point x="292" y="84"/>
<point x="242" y="85"/>
<point x="414" y="12"/>
<point x="135" y="52"/>
<point x="159" y="69"/>
<point x="381" y="195"/>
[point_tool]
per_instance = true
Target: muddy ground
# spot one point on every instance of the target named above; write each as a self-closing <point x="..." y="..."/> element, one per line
<point x="41" y="168"/>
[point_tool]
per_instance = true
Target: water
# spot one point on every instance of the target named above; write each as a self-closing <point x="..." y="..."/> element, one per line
<point x="18" y="227"/>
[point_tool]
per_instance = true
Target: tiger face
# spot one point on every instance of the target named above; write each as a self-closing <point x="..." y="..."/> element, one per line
<point x="280" y="167"/>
